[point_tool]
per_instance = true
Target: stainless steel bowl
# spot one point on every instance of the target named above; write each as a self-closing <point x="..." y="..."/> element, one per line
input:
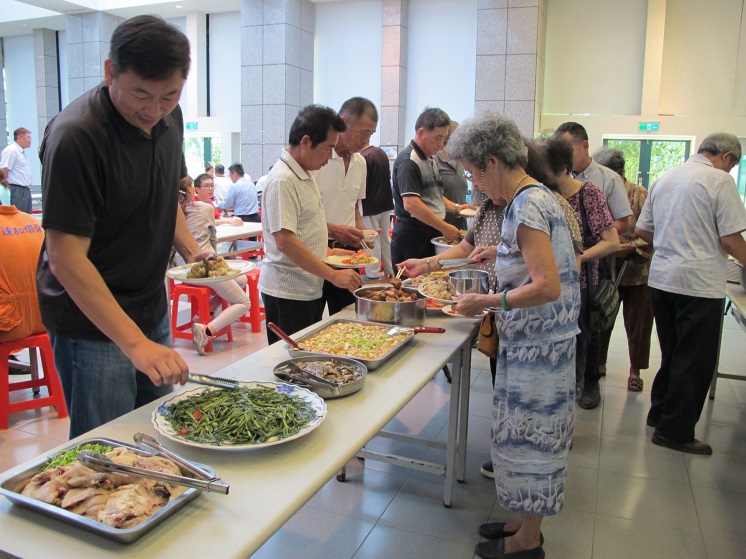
<point x="404" y="313"/>
<point x="324" y="392"/>
<point x="440" y="246"/>
<point x="470" y="281"/>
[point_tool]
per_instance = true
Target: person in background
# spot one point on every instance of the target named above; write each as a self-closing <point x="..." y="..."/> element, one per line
<point x="419" y="203"/>
<point x="585" y="169"/>
<point x="634" y="293"/>
<point x="204" y="187"/>
<point x="17" y="170"/>
<point x="376" y="208"/>
<point x="222" y="183"/>
<point x="454" y="183"/>
<point x="694" y="218"/>
<point x="241" y="198"/>
<point x="342" y="184"/>
<point x="108" y="242"/>
<point x="294" y="226"/>
<point x="201" y="221"/>
<point x="20" y="245"/>
<point x="210" y="170"/>
<point x="539" y="301"/>
<point x="4" y="189"/>
<point x="600" y="240"/>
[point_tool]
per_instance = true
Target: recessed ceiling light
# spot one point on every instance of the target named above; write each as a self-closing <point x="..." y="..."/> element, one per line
<point x="177" y="6"/>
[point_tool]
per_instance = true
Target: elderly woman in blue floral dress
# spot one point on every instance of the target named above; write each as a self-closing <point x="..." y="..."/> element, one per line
<point x="539" y="301"/>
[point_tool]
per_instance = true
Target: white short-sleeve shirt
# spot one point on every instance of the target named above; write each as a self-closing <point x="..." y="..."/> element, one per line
<point x="341" y="191"/>
<point x="688" y="209"/>
<point x="19" y="170"/>
<point x="291" y="201"/>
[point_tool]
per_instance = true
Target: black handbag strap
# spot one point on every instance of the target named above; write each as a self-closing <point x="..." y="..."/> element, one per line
<point x="586" y="239"/>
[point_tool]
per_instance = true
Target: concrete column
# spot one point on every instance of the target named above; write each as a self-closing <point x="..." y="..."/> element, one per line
<point x="88" y="38"/>
<point x="3" y="115"/>
<point x="47" y="76"/>
<point x="511" y="42"/>
<point x="196" y="86"/>
<point x="394" y="73"/>
<point x="276" y="76"/>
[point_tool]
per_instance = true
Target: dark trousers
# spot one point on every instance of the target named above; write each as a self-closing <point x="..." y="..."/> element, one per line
<point x="254" y="218"/>
<point x="335" y="297"/>
<point x="411" y="239"/>
<point x="688" y="332"/>
<point x="586" y="357"/>
<point x="20" y="197"/>
<point x="637" y="311"/>
<point x="290" y="315"/>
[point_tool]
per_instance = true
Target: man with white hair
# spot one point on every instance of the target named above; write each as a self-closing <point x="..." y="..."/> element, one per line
<point x="694" y="218"/>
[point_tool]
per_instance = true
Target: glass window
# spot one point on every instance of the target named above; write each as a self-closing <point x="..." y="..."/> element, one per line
<point x="199" y="151"/>
<point x="645" y="160"/>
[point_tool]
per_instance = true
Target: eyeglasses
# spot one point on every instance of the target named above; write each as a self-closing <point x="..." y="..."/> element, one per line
<point x="210" y="185"/>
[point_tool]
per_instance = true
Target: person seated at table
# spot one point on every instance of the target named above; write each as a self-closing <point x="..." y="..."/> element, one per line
<point x="20" y="245"/>
<point x="201" y="222"/>
<point x="204" y="186"/>
<point x="241" y="199"/>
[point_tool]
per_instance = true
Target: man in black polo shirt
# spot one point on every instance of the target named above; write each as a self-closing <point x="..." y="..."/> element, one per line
<point x="111" y="165"/>
<point x="419" y="203"/>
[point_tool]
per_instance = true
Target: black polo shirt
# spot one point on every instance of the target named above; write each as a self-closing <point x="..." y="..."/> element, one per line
<point x="105" y="179"/>
<point x="415" y="174"/>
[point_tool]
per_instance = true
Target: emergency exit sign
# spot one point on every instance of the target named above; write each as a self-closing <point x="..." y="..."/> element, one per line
<point x="652" y="126"/>
<point x="193" y="126"/>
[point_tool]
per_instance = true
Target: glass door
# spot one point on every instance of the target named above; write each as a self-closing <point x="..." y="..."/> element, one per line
<point x="646" y="159"/>
<point x="199" y="151"/>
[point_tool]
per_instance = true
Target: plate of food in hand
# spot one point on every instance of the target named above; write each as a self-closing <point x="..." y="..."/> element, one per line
<point x="425" y="278"/>
<point x="468" y="212"/>
<point x="369" y="234"/>
<point x="449" y="310"/>
<point x="211" y="270"/>
<point x="256" y="415"/>
<point x="441" y="290"/>
<point x="356" y="260"/>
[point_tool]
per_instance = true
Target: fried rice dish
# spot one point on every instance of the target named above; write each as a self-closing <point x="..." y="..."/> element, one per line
<point x="213" y="267"/>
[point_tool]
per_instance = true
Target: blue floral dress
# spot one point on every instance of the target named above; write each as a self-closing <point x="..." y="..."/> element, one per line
<point x="534" y="394"/>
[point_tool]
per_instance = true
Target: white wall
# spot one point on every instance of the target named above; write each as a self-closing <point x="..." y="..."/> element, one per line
<point x="442" y="59"/>
<point x="20" y="94"/>
<point x="225" y="65"/>
<point x="348" y="52"/>
<point x="180" y="23"/>
<point x="62" y="53"/>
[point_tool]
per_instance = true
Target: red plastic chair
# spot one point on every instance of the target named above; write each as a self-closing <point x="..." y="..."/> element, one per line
<point x="256" y="313"/>
<point x="50" y="379"/>
<point x="199" y="298"/>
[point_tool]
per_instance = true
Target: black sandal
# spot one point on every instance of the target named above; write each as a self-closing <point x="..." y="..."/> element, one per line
<point x="634" y="384"/>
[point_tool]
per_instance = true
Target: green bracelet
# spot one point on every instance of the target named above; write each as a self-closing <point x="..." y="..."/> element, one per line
<point x="504" y="301"/>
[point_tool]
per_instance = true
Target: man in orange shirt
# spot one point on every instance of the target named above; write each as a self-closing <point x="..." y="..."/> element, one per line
<point x="21" y="237"/>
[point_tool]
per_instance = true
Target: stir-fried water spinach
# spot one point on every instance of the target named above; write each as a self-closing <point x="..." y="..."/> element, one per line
<point x="242" y="416"/>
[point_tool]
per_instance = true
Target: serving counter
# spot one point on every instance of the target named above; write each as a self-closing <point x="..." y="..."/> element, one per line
<point x="268" y="485"/>
<point x="736" y="294"/>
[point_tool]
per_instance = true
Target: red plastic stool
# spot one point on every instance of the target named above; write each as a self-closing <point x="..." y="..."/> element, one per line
<point x="256" y="313"/>
<point x="199" y="297"/>
<point x="50" y="379"/>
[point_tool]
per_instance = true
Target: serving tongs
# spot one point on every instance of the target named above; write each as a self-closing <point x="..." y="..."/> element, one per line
<point x="102" y="463"/>
<point x="219" y="382"/>
<point x="152" y="446"/>
<point x="456" y="262"/>
<point x="299" y="374"/>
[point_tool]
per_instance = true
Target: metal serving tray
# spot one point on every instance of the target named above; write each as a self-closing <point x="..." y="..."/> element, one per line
<point x="13" y="481"/>
<point x="370" y="363"/>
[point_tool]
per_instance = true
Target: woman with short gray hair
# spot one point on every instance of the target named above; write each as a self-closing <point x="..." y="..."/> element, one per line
<point x="538" y="300"/>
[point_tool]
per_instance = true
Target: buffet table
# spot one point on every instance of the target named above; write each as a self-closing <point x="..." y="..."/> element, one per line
<point x="737" y="297"/>
<point x="268" y="485"/>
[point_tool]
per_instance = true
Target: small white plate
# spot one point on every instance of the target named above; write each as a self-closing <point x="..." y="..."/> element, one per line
<point x="336" y="261"/>
<point x="239" y="267"/>
<point x="447" y="310"/>
<point x="443" y="301"/>
<point x="370" y="233"/>
<point x="468" y="212"/>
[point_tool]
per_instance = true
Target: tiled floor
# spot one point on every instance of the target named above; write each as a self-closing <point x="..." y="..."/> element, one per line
<point x="624" y="496"/>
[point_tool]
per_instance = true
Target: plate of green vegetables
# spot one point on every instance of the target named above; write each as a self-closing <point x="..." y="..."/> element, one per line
<point x="256" y="415"/>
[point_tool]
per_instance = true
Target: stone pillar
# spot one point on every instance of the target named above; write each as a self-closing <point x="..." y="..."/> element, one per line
<point x="394" y="73"/>
<point x="276" y="76"/>
<point x="88" y="37"/>
<point x="47" y="77"/>
<point x="511" y="42"/>
<point x="3" y="115"/>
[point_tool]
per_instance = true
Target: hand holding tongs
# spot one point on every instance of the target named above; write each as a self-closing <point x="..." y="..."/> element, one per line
<point x="102" y="463"/>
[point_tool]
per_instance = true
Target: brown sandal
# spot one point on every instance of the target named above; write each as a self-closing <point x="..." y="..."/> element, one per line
<point x="634" y="384"/>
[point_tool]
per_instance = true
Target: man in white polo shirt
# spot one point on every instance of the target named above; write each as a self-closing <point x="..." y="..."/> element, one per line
<point x="342" y="185"/>
<point x="17" y="170"/>
<point x="294" y="226"/>
<point x="694" y="218"/>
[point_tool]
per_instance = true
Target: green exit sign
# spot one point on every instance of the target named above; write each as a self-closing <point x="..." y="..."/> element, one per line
<point x="193" y="126"/>
<point x="653" y="126"/>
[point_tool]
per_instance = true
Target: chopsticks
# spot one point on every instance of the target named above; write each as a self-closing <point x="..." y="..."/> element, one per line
<point x="365" y="247"/>
<point x="399" y="272"/>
